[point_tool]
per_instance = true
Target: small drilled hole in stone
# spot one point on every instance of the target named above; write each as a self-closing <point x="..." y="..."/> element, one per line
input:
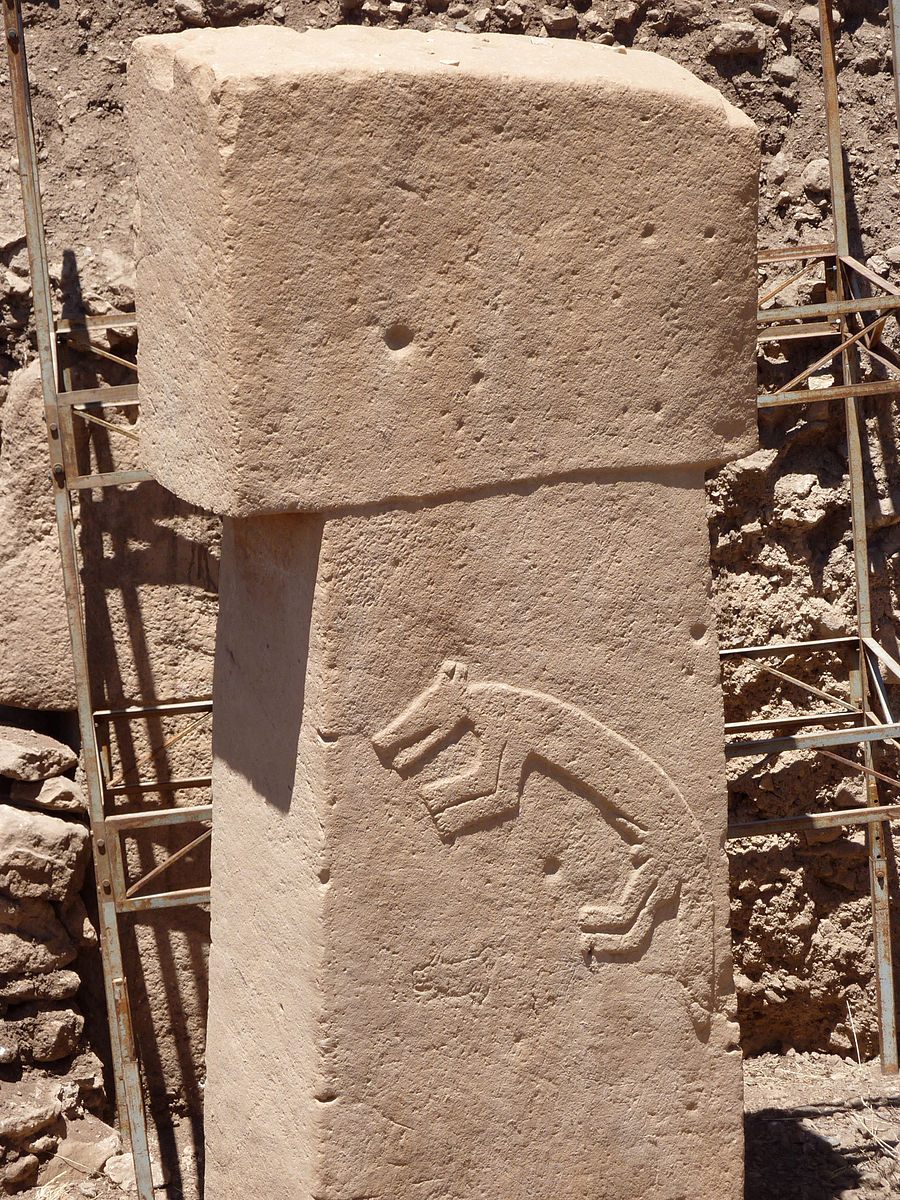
<point x="324" y="875"/>
<point x="551" y="864"/>
<point x="398" y="336"/>
<point x="698" y="631"/>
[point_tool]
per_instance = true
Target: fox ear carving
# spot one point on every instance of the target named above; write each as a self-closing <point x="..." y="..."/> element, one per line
<point x="455" y="670"/>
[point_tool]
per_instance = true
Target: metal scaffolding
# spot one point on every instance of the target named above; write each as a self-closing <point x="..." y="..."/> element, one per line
<point x="848" y="325"/>
<point x="118" y="893"/>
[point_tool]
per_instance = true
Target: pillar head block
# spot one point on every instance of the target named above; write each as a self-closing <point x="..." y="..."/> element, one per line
<point x="410" y="264"/>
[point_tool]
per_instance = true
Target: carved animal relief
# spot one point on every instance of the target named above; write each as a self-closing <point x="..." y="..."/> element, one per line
<point x="518" y="731"/>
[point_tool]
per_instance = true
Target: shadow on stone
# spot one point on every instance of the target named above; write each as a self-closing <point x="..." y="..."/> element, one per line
<point x="264" y="669"/>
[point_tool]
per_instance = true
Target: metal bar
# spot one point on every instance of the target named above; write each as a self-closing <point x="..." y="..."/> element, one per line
<point x="159" y="818"/>
<point x="811" y="741"/>
<point x="855" y="766"/>
<point x="786" y="333"/>
<point x="795" y="278"/>
<point x="876" y="684"/>
<point x="115" y="396"/>
<point x="95" y="420"/>
<point x="842" y="391"/>
<point x="163" y="708"/>
<point x="866" y="348"/>
<point x="858" y="519"/>
<point x="169" y="861"/>
<point x="877" y="833"/>
<point x="775" y="254"/>
<point x="828" y="308"/>
<point x="89" y="347"/>
<point x="113" y="479"/>
<point x="879" y="651"/>
<point x="787" y="647"/>
<point x="833" y="127"/>
<point x="152" y="754"/>
<point x="806" y="687"/>
<point x="827" y="820"/>
<point x="158" y="785"/>
<point x="787" y="721"/>
<point x="125" y="1068"/>
<point x="894" y="26"/>
<point x="138" y="904"/>
<point x="115" y="320"/>
<point x="867" y="273"/>
<point x="826" y="358"/>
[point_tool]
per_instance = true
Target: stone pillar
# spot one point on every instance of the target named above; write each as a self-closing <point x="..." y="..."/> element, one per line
<point x="449" y="329"/>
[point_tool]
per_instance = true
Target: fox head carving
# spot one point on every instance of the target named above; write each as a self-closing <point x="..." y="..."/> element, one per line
<point x="427" y="721"/>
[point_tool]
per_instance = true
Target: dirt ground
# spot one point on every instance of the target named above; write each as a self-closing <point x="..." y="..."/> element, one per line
<point x="820" y="1127"/>
<point x="817" y="1127"/>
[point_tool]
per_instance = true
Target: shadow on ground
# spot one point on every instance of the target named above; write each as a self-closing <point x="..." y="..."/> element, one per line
<point x="786" y="1160"/>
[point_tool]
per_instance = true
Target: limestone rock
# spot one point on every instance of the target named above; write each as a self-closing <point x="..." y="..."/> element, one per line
<point x="767" y="13"/>
<point x="54" y="985"/>
<point x="78" y="924"/>
<point x="808" y="16"/>
<point x="215" y="12"/>
<point x="449" y="775"/>
<point x="120" y="1169"/>
<point x="87" y="1145"/>
<point x="816" y="177"/>
<point x="435" y="326"/>
<point x="35" y="654"/>
<point x="559" y="20"/>
<point x="41" y="856"/>
<point x="26" y="755"/>
<point x="53" y="795"/>
<point x="86" y="1072"/>
<point x="801" y="502"/>
<point x="191" y="12"/>
<point x="29" y="1105"/>
<point x="10" y="1045"/>
<point x="50" y="1032"/>
<point x="33" y="941"/>
<point x="21" y="1173"/>
<point x="738" y="39"/>
<point x="785" y="70"/>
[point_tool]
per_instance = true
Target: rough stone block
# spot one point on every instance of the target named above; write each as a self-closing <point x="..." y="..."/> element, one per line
<point x="53" y="795"/>
<point x="33" y="941"/>
<point x="29" y="756"/>
<point x="29" y="1105"/>
<point x="469" y="892"/>
<point x="35" y="654"/>
<point x="41" y="857"/>
<point x="404" y="264"/>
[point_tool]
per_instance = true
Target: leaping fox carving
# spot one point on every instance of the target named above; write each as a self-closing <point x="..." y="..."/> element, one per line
<point x="520" y="730"/>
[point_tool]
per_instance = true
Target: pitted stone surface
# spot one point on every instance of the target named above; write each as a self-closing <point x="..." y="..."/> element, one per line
<point x="469" y="895"/>
<point x="41" y="857"/>
<point x="380" y="279"/>
<point x="29" y="757"/>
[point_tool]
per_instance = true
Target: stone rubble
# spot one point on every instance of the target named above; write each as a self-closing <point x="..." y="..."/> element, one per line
<point x="44" y="927"/>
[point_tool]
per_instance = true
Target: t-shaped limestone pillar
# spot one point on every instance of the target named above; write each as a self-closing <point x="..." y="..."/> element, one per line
<point x="473" y="314"/>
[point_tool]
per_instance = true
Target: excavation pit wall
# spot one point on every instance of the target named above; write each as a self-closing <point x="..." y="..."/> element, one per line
<point x="469" y="886"/>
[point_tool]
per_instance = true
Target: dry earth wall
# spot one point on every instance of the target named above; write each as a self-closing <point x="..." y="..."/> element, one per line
<point x="779" y="520"/>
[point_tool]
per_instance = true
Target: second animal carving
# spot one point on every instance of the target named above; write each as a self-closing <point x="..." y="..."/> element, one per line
<point x="519" y="731"/>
